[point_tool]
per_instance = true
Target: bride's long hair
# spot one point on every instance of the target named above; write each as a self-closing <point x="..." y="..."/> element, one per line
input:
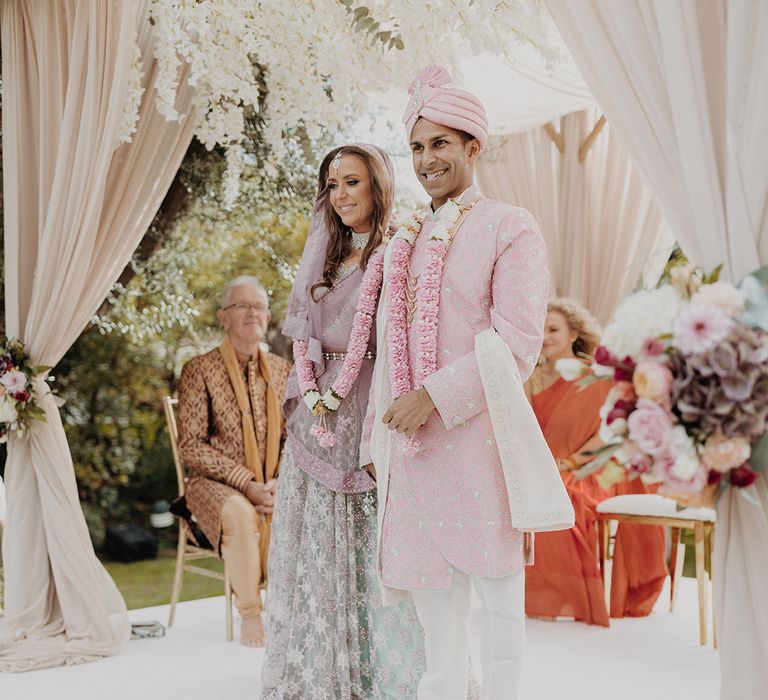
<point x="382" y="190"/>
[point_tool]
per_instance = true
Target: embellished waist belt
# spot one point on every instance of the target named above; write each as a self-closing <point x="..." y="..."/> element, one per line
<point x="370" y="355"/>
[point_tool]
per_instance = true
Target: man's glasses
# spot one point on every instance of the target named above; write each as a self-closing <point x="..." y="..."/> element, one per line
<point x="242" y="308"/>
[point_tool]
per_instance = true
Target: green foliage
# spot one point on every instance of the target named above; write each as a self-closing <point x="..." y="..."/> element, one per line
<point x="113" y="390"/>
<point x="363" y="21"/>
<point x="115" y="376"/>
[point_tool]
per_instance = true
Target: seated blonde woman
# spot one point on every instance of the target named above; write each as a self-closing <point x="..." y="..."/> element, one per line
<point x="565" y="578"/>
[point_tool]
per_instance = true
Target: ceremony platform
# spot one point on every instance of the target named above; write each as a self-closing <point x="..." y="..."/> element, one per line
<point x="635" y="659"/>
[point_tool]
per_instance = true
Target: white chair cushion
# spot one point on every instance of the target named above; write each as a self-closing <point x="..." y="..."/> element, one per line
<point x="651" y="504"/>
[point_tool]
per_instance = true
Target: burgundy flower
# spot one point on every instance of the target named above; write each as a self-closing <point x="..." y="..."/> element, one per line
<point x="603" y="356"/>
<point x="714" y="477"/>
<point x="21" y="396"/>
<point x="622" y="374"/>
<point x="626" y="406"/>
<point x="616" y="414"/>
<point x="743" y="476"/>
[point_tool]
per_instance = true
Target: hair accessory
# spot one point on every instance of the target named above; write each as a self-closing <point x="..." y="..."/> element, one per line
<point x="336" y="162"/>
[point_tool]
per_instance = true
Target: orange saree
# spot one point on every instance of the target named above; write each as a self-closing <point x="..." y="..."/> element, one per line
<point x="565" y="579"/>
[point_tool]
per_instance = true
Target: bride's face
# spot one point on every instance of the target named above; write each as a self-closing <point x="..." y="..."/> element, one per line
<point x="350" y="193"/>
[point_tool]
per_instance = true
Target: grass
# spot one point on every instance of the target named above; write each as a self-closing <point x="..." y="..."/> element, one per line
<point x="147" y="583"/>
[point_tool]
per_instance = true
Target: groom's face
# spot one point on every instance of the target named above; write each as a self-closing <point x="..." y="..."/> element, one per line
<point x="443" y="159"/>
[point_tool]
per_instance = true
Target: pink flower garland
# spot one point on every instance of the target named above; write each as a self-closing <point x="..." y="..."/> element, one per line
<point x="397" y="341"/>
<point x="428" y="295"/>
<point x="360" y="335"/>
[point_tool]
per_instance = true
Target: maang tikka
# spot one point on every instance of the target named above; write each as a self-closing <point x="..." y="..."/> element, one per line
<point x="336" y="162"/>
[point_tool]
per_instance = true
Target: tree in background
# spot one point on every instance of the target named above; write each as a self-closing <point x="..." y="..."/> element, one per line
<point x="162" y="312"/>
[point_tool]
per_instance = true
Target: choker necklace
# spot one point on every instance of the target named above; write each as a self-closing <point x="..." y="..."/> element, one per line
<point x="359" y="240"/>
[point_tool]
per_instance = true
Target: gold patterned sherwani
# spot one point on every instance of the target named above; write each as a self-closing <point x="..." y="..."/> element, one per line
<point x="211" y="435"/>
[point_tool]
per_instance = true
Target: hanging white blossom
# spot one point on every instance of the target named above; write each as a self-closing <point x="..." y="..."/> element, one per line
<point x="133" y="98"/>
<point x="313" y="64"/>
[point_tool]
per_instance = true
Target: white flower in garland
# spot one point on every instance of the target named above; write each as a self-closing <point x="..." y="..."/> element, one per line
<point x="449" y="212"/>
<point x="440" y="231"/>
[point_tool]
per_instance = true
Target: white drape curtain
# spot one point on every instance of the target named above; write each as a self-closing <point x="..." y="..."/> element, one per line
<point x="683" y="86"/>
<point x="597" y="216"/>
<point x="76" y="205"/>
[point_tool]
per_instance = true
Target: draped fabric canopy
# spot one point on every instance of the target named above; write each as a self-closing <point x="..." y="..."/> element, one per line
<point x="683" y="86"/>
<point x="76" y="204"/>
<point x="602" y="228"/>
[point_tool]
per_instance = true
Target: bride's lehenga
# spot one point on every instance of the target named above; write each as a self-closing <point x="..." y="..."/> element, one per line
<point x="328" y="637"/>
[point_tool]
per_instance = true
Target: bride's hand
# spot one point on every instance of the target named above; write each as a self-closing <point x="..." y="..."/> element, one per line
<point x="371" y="471"/>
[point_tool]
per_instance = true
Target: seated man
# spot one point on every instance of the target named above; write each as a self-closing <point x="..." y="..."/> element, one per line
<point x="230" y="437"/>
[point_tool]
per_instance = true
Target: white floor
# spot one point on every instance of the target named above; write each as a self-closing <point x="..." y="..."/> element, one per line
<point x="636" y="659"/>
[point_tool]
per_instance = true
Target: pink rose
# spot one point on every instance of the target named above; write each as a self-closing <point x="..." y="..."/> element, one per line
<point x="649" y="426"/>
<point x="652" y="347"/>
<point x="652" y="380"/>
<point x="722" y="453"/>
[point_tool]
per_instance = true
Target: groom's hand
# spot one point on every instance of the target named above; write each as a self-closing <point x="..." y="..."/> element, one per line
<point x="409" y="412"/>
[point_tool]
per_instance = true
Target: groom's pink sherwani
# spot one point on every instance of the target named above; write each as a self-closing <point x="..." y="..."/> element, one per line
<point x="447" y="505"/>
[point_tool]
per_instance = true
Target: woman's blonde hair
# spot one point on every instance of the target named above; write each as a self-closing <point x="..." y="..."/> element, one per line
<point x="580" y="321"/>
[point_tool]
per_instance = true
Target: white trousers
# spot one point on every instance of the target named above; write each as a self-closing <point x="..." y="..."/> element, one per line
<point x="445" y="617"/>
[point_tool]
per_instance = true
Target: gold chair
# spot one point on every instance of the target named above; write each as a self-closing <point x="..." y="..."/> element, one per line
<point x="653" y="509"/>
<point x="186" y="550"/>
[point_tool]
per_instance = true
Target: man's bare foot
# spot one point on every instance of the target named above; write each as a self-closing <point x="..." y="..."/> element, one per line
<point x="252" y="631"/>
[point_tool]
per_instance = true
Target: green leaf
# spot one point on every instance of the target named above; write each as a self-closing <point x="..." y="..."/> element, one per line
<point x="713" y="276"/>
<point x="759" y="458"/>
<point x="399" y="44"/>
<point x="588" y="379"/>
<point x="603" y="455"/>
<point x="360" y="12"/>
<point x="610" y="448"/>
<point x="364" y="24"/>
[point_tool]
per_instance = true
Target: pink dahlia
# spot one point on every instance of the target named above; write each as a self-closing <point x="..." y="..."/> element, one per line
<point x="700" y="328"/>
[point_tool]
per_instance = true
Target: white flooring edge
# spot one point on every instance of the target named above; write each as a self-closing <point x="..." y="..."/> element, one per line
<point x="635" y="659"/>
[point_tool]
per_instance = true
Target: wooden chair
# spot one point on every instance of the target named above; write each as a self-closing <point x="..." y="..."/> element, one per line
<point x="186" y="550"/>
<point x="653" y="509"/>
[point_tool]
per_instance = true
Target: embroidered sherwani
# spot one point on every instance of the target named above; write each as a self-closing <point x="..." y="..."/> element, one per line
<point x="211" y="434"/>
<point x="447" y="505"/>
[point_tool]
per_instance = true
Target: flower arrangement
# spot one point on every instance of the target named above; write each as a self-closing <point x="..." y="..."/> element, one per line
<point x="18" y="406"/>
<point x="689" y="408"/>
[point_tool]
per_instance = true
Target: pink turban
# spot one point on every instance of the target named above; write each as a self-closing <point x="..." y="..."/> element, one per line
<point x="457" y="109"/>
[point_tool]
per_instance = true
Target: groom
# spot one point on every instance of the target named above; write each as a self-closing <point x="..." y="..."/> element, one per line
<point x="471" y="264"/>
